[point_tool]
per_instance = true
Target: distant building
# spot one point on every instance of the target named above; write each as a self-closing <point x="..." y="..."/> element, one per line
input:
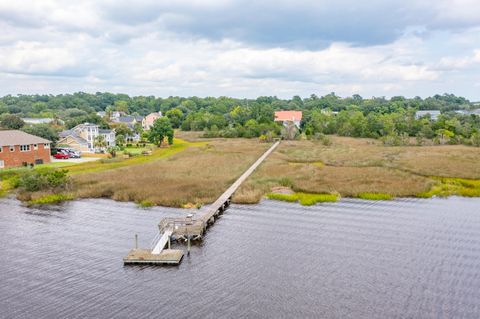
<point x="149" y="119"/>
<point x="469" y="112"/>
<point x="129" y="120"/>
<point x="116" y="114"/>
<point x="19" y="148"/>
<point x="289" y="116"/>
<point x="33" y="120"/>
<point x="434" y="114"/>
<point x="102" y="113"/>
<point x="82" y="137"/>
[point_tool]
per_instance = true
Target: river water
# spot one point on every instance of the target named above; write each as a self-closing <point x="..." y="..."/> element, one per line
<point x="408" y="258"/>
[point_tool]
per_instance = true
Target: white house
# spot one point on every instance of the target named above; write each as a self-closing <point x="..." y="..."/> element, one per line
<point x="82" y="137"/>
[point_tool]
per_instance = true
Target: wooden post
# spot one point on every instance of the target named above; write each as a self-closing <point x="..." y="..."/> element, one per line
<point x="136" y="241"/>
<point x="188" y="245"/>
<point x="168" y="242"/>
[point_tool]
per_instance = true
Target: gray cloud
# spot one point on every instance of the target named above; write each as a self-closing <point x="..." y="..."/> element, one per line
<point x="240" y="48"/>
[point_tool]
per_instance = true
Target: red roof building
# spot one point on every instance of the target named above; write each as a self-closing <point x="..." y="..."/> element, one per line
<point x="289" y="116"/>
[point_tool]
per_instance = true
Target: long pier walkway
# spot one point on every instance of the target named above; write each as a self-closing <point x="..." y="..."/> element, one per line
<point x="190" y="227"/>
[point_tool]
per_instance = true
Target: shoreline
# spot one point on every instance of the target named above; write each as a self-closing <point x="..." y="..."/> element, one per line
<point x="348" y="167"/>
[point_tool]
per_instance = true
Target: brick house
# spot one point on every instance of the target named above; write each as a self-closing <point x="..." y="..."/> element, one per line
<point x="18" y="148"/>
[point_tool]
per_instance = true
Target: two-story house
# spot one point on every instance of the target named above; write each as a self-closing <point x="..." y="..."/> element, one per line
<point x="148" y="120"/>
<point x="19" y="148"/>
<point x="83" y="137"/>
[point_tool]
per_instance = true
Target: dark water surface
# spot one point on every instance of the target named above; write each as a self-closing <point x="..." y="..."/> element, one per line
<point x="407" y="258"/>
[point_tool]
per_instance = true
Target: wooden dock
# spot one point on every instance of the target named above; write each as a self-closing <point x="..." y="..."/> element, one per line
<point x="190" y="227"/>
<point x="145" y="256"/>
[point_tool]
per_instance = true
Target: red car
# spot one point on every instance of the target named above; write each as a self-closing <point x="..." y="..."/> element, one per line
<point x="61" y="155"/>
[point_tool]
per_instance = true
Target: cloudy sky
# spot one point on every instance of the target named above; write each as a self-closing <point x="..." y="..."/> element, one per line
<point x="241" y="48"/>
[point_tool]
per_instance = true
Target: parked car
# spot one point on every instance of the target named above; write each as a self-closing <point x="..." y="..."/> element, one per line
<point x="61" y="155"/>
<point x="73" y="153"/>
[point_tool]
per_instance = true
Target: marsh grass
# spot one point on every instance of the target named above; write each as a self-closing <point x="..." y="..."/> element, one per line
<point x="50" y="199"/>
<point x="375" y="196"/>
<point x="453" y="186"/>
<point x="359" y="168"/>
<point x="145" y="204"/>
<point x="304" y="198"/>
<point x="198" y="174"/>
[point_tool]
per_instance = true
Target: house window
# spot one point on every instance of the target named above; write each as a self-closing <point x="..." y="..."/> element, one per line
<point x="12" y="148"/>
<point x="24" y="148"/>
<point x="1" y="149"/>
<point x="35" y="147"/>
<point x="46" y="146"/>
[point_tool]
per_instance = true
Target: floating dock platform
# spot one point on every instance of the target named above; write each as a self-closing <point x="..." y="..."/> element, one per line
<point x="145" y="256"/>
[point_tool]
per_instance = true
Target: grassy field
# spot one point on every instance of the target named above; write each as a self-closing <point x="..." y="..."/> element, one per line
<point x="365" y="169"/>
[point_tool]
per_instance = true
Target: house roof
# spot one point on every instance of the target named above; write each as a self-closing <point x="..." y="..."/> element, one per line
<point x="126" y="119"/>
<point x="102" y="131"/>
<point x="13" y="137"/>
<point x="288" y="116"/>
<point x="74" y="135"/>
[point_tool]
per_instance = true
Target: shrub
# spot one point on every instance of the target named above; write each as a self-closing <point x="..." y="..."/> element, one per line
<point x="44" y="179"/>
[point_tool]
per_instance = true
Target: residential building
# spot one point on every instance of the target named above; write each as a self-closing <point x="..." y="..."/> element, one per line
<point x="434" y="114"/>
<point x="129" y="120"/>
<point x="83" y="136"/>
<point x="289" y="116"/>
<point x="469" y="112"/>
<point x="149" y="119"/>
<point x="34" y="120"/>
<point x="19" y="148"/>
<point x="115" y="115"/>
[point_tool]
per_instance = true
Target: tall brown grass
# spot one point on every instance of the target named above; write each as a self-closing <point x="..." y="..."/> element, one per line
<point x="356" y="166"/>
<point x="195" y="175"/>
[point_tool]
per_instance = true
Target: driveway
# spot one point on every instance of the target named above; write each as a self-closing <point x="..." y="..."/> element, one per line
<point x="76" y="160"/>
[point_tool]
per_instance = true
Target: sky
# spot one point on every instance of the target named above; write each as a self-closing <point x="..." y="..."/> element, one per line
<point x="241" y="48"/>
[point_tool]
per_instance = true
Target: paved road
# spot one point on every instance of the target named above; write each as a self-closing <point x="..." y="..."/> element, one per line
<point x="76" y="160"/>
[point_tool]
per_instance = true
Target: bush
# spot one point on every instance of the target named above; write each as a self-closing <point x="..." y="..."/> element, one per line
<point x="44" y="179"/>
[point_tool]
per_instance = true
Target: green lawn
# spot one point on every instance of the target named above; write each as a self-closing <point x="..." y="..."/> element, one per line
<point x="158" y="153"/>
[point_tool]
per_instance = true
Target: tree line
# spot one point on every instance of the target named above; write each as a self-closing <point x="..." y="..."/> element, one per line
<point x="392" y="120"/>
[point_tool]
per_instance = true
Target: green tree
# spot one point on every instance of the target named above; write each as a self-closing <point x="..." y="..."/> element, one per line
<point x="120" y="140"/>
<point x="161" y="129"/>
<point x="12" y="122"/>
<point x="100" y="142"/>
<point x="176" y="116"/>
<point x="121" y="106"/>
<point x="42" y="130"/>
<point x="121" y="129"/>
